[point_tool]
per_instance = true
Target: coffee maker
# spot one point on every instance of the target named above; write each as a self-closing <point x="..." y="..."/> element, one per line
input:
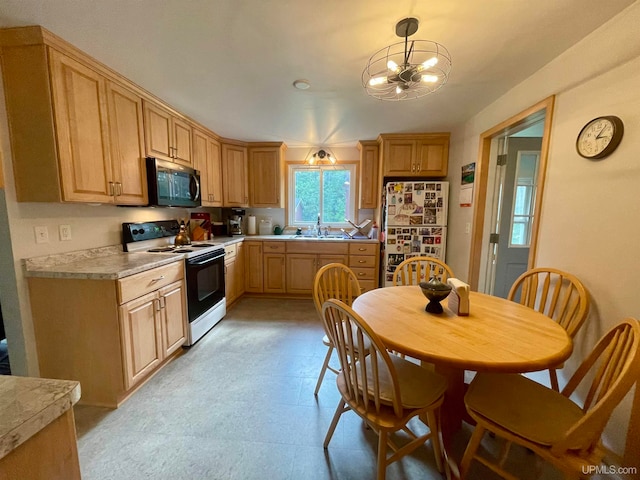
<point x="235" y="221"/>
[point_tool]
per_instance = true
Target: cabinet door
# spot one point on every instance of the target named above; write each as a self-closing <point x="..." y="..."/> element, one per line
<point x="239" y="270"/>
<point x="274" y="273"/>
<point x="369" y="191"/>
<point x="201" y="163"/>
<point x="331" y="258"/>
<point x="215" y="173"/>
<point x="301" y="272"/>
<point x="174" y="317"/>
<point x="266" y="181"/>
<point x="230" y="280"/>
<point x="399" y="157"/>
<point x="182" y="134"/>
<point x="157" y="130"/>
<point x="127" y="145"/>
<point x="141" y="337"/>
<point x="80" y="107"/>
<point x="433" y="157"/>
<point x="234" y="175"/>
<point x="253" y="267"/>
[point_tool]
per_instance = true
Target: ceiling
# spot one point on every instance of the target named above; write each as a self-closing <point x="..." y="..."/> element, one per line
<point x="230" y="64"/>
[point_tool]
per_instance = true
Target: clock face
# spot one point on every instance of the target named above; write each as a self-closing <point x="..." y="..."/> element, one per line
<point x="599" y="137"/>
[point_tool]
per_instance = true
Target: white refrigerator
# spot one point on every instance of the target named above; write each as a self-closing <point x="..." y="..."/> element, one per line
<point x="415" y="223"/>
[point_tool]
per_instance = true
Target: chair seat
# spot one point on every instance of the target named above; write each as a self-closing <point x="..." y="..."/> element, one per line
<point x="522" y="406"/>
<point x="419" y="387"/>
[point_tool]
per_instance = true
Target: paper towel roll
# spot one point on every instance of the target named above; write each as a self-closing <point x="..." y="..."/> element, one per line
<point x="251" y="225"/>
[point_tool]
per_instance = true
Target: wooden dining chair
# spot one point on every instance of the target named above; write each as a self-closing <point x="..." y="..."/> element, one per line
<point x="386" y="391"/>
<point x="558" y="295"/>
<point x="549" y="423"/>
<point x="334" y="280"/>
<point x="421" y="269"/>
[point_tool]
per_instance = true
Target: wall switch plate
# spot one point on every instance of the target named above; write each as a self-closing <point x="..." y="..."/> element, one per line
<point x="42" y="234"/>
<point x="65" y="232"/>
<point x="467" y="228"/>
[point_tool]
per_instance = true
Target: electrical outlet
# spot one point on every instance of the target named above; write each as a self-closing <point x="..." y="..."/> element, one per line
<point x="65" y="232"/>
<point x="42" y="234"/>
<point x="467" y="228"/>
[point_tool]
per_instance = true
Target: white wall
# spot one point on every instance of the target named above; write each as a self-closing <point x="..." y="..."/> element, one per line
<point x="590" y="219"/>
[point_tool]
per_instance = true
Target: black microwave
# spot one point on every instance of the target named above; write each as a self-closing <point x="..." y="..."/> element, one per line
<point x="172" y="185"/>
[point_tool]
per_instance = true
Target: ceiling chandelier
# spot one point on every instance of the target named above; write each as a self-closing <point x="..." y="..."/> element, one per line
<point x="321" y="156"/>
<point x="408" y="69"/>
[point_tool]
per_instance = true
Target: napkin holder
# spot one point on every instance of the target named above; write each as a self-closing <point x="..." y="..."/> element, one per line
<point x="459" y="297"/>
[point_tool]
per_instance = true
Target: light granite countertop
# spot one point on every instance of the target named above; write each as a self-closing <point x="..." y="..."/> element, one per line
<point x="27" y="405"/>
<point x="111" y="263"/>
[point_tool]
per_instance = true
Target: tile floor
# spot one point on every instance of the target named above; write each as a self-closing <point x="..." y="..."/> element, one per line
<point x="240" y="405"/>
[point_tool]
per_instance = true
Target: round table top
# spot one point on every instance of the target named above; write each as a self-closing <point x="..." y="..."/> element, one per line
<point x="498" y="335"/>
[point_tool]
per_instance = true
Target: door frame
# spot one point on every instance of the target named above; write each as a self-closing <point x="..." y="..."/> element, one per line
<point x="545" y="107"/>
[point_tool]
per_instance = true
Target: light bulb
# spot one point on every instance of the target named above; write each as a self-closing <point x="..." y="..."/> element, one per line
<point x="377" y="81"/>
<point x="393" y="66"/>
<point x="430" y="62"/>
<point x="398" y="90"/>
<point x="430" y="78"/>
<point x="332" y="160"/>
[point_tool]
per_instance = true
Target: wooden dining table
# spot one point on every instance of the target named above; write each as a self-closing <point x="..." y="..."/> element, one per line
<point x="498" y="335"/>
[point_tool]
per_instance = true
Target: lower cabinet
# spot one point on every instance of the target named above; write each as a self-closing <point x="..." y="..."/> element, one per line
<point x="109" y="335"/>
<point x="253" y="267"/>
<point x="274" y="273"/>
<point x="234" y="272"/>
<point x="152" y="328"/>
<point x="302" y="267"/>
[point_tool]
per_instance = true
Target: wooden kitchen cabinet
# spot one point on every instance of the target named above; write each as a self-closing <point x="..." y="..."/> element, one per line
<point x="110" y="335"/>
<point x="75" y="133"/>
<point x="364" y="260"/>
<point x="414" y="155"/>
<point x="369" y="188"/>
<point x="275" y="267"/>
<point x="301" y="266"/>
<point x="267" y="174"/>
<point x="206" y="159"/>
<point x="235" y="187"/>
<point x="234" y="272"/>
<point x="167" y="135"/>
<point x="253" y="266"/>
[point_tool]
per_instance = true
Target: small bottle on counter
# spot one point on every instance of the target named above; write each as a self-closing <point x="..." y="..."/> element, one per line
<point x="373" y="233"/>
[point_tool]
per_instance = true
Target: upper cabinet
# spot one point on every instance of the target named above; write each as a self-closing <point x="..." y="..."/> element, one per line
<point x="167" y="135"/>
<point x="414" y="155"/>
<point x="369" y="191"/>
<point x="76" y="132"/>
<point x="266" y="174"/>
<point x="207" y="159"/>
<point x="235" y="188"/>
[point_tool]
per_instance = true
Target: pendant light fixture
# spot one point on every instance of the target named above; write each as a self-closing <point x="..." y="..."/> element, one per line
<point x="321" y="156"/>
<point x="407" y="69"/>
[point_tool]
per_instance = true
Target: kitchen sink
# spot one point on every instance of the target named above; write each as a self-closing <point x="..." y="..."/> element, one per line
<point x="328" y="237"/>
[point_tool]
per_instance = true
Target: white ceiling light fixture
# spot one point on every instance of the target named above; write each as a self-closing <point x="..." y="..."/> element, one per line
<point x="321" y="156"/>
<point x="301" y="84"/>
<point x="408" y="69"/>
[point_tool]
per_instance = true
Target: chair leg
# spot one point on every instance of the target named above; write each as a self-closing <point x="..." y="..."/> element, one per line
<point x="432" y="422"/>
<point x="382" y="454"/>
<point x="324" y="369"/>
<point x="553" y="376"/>
<point x="472" y="447"/>
<point x="336" y="416"/>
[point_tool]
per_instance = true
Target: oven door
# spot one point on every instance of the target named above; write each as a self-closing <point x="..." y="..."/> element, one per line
<point x="205" y="282"/>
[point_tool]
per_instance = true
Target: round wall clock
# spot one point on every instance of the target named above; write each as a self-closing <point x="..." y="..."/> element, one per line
<point x="600" y="137"/>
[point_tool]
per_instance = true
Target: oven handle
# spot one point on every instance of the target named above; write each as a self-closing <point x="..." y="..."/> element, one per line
<point x="209" y="259"/>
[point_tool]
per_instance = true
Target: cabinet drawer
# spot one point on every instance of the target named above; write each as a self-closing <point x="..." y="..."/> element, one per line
<point x="320" y="246"/>
<point x="230" y="251"/>
<point x="363" y="248"/>
<point x="366" y="285"/>
<point x="362" y="261"/>
<point x="364" y="273"/>
<point x="137" y="285"/>
<point x="274" y="247"/>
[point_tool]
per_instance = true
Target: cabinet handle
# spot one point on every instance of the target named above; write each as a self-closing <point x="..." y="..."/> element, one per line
<point x="362" y="261"/>
<point x="119" y="188"/>
<point x="163" y="301"/>
<point x="360" y="274"/>
<point x="419" y="167"/>
<point x="361" y="249"/>
<point x="111" y="189"/>
<point x="156" y="302"/>
<point x="157" y="279"/>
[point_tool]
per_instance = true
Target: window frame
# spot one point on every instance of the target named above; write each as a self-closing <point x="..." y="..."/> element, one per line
<point x="531" y="186"/>
<point x="293" y="167"/>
